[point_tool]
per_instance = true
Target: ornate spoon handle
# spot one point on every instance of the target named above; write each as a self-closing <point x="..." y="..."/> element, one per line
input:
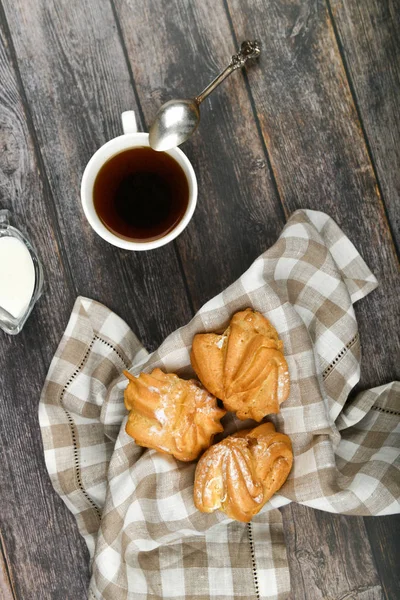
<point x="248" y="50"/>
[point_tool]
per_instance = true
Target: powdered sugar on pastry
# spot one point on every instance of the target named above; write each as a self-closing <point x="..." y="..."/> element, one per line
<point x="171" y="414"/>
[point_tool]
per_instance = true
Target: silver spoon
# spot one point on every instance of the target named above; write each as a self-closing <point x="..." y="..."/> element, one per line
<point x="177" y="120"/>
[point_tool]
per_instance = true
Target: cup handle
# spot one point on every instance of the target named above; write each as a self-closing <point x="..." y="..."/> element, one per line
<point x="129" y="124"/>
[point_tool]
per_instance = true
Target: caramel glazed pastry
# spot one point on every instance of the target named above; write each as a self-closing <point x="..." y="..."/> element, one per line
<point x="244" y="366"/>
<point x="170" y="414"/>
<point x="241" y="473"/>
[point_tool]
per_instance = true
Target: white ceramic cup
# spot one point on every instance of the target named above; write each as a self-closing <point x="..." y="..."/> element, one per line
<point x="132" y="139"/>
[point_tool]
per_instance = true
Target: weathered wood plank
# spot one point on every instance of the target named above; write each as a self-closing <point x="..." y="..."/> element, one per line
<point x="6" y="585"/>
<point x="384" y="535"/>
<point x="73" y="69"/>
<point x="77" y="84"/>
<point x="318" y="152"/>
<point x="329" y="556"/>
<point x="37" y="531"/>
<point x="369" y="33"/>
<point x="369" y="37"/>
<point x="239" y="214"/>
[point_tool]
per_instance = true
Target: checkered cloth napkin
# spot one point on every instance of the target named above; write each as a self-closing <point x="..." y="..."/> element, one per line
<point x="134" y="506"/>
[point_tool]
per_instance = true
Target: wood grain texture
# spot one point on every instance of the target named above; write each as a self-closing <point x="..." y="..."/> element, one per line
<point x="318" y="152"/>
<point x="369" y="33"/>
<point x="77" y="84"/>
<point x="323" y="562"/>
<point x="239" y="214"/>
<point x="384" y="535"/>
<point x="41" y="544"/>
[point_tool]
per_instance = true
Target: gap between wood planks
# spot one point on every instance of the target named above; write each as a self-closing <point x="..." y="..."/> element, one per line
<point x="285" y="213"/>
<point x="379" y="191"/>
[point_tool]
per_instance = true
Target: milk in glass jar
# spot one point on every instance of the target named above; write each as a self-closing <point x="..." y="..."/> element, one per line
<point x="21" y="276"/>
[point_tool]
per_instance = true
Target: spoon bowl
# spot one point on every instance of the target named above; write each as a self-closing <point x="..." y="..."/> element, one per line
<point x="174" y="124"/>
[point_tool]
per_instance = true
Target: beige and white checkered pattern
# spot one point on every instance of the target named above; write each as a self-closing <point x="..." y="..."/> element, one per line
<point x="134" y="507"/>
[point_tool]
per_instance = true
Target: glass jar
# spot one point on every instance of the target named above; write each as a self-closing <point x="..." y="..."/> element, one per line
<point x="21" y="276"/>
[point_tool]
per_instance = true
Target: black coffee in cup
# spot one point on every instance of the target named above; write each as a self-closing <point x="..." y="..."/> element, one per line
<point x="141" y="195"/>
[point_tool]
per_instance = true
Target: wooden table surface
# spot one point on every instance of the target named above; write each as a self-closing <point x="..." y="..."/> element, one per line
<point x="315" y="124"/>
